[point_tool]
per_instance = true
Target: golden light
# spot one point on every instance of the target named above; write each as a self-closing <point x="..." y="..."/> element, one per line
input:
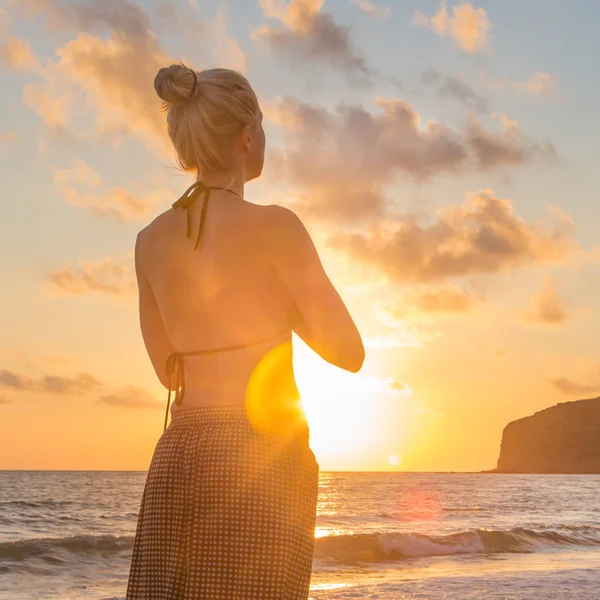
<point x="345" y="411"/>
<point x="394" y="460"/>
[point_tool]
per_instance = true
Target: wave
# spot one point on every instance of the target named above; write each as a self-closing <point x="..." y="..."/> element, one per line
<point x="342" y="549"/>
<point x="53" y="550"/>
<point x="38" y="504"/>
<point x="381" y="547"/>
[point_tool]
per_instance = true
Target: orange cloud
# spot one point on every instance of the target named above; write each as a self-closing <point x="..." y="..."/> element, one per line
<point x="52" y="105"/>
<point x="419" y="307"/>
<point x="113" y="276"/>
<point x="539" y="84"/>
<point x="311" y="35"/>
<point x="115" y="74"/>
<point x="546" y="306"/>
<point x="81" y="173"/>
<point x="131" y="397"/>
<point x="17" y="54"/>
<point x="48" y="100"/>
<point x="445" y="300"/>
<point x="373" y="9"/>
<point x="118" y="203"/>
<point x="483" y="235"/>
<point x="468" y="26"/>
<point x="111" y="75"/>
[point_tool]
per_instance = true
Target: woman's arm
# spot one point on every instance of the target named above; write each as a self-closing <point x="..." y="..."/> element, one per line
<point x="322" y="319"/>
<point x="157" y="341"/>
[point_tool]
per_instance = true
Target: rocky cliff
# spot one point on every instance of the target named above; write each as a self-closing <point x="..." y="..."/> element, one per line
<point x="561" y="439"/>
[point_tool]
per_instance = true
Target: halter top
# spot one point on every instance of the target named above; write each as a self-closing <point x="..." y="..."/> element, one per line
<point x="174" y="366"/>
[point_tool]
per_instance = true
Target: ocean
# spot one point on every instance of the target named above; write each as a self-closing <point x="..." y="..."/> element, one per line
<point x="68" y="535"/>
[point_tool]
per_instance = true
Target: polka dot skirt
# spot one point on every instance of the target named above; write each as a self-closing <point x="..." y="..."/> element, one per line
<point x="227" y="513"/>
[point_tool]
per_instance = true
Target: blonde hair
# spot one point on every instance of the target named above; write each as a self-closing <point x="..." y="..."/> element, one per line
<point x="206" y="110"/>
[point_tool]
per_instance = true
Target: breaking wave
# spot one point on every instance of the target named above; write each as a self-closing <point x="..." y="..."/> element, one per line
<point x="342" y="549"/>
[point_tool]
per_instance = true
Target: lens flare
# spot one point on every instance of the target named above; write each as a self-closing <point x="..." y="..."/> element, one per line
<point x="273" y="402"/>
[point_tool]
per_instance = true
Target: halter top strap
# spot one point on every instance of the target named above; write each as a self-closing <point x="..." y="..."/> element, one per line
<point x="174" y="366"/>
<point x="189" y="197"/>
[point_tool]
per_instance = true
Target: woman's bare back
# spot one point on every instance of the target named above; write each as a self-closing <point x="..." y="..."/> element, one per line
<point x="224" y="293"/>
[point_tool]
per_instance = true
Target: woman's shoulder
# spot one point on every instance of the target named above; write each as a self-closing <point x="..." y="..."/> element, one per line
<point x="156" y="224"/>
<point x="279" y="217"/>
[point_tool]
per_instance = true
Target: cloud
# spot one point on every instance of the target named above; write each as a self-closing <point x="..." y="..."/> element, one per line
<point x="81" y="383"/>
<point x="116" y="75"/>
<point x="131" y="397"/>
<point x="572" y="388"/>
<point x="4" y="400"/>
<point x="539" y="84"/>
<point x="454" y="88"/>
<point x="52" y="105"/>
<point x="307" y="34"/>
<point x="468" y="26"/>
<point x="342" y="160"/>
<point x="112" y="276"/>
<point x="508" y="147"/>
<point x="17" y="54"/>
<point x="81" y="173"/>
<point x="109" y="67"/>
<point x="546" y="306"/>
<point x="13" y="380"/>
<point x="374" y="10"/>
<point x="117" y="204"/>
<point x="113" y="72"/>
<point x="418" y="306"/>
<point x="48" y="100"/>
<point x="483" y="235"/>
<point x="445" y="300"/>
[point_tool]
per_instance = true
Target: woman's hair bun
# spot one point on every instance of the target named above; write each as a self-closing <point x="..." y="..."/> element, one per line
<point x="175" y="84"/>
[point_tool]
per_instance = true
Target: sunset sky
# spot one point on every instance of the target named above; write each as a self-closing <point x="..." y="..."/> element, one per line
<point x="443" y="155"/>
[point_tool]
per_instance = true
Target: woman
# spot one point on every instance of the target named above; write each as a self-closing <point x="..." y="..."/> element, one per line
<point x="229" y="505"/>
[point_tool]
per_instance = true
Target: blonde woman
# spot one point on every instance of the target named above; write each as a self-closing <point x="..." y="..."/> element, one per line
<point x="229" y="505"/>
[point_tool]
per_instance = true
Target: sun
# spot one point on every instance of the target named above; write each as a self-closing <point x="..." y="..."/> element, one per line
<point x="341" y="418"/>
<point x="394" y="460"/>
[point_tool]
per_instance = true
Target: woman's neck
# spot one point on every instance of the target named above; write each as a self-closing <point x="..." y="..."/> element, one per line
<point x="229" y="180"/>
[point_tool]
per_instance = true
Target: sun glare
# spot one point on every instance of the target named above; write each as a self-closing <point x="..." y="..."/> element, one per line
<point x="341" y="408"/>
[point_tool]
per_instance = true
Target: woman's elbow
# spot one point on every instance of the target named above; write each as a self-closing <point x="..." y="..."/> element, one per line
<point x="353" y="358"/>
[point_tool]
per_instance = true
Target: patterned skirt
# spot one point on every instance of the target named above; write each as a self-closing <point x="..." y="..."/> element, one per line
<point x="227" y="513"/>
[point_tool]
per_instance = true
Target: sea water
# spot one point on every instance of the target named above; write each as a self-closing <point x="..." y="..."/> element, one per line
<point x="68" y="535"/>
